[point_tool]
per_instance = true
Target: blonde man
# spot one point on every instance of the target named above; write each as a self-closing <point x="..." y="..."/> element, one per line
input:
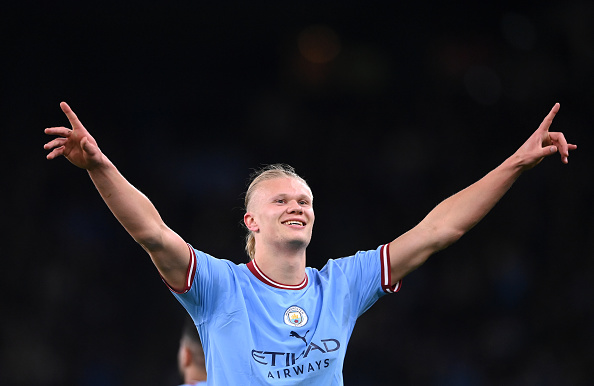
<point x="274" y="320"/>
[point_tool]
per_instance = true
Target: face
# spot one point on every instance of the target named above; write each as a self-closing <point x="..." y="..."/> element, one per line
<point x="182" y="358"/>
<point x="281" y="212"/>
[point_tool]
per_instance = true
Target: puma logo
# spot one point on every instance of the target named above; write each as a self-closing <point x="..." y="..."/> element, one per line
<point x="296" y="335"/>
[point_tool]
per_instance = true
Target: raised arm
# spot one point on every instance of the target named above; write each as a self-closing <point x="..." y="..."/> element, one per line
<point x="456" y="215"/>
<point x="133" y="209"/>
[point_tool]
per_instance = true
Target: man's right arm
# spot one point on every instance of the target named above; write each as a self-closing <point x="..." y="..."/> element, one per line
<point x="133" y="209"/>
<point x="141" y="219"/>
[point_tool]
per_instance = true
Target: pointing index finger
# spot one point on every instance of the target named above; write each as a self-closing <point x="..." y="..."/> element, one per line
<point x="546" y="123"/>
<point x="70" y="115"/>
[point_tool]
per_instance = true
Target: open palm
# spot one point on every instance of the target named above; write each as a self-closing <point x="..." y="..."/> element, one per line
<point x="76" y="144"/>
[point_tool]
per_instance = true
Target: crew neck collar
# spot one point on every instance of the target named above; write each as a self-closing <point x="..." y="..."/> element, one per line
<point x="253" y="267"/>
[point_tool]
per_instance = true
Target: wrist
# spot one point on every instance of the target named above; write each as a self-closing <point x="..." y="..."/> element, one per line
<point x="100" y="165"/>
<point x="515" y="165"/>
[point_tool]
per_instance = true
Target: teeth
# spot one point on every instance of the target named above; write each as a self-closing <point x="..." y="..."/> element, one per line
<point x="294" y="223"/>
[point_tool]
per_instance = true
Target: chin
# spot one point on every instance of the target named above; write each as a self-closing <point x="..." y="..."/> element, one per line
<point x="298" y="243"/>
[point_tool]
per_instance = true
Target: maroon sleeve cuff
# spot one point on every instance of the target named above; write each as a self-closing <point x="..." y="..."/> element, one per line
<point x="189" y="274"/>
<point x="387" y="271"/>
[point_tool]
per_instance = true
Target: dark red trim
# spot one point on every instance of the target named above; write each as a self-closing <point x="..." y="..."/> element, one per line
<point x="386" y="271"/>
<point x="254" y="269"/>
<point x="190" y="273"/>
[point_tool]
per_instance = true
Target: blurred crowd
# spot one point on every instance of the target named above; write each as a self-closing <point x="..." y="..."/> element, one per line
<point x="384" y="109"/>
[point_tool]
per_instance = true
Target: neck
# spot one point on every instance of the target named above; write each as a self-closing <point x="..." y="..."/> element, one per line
<point x="286" y="267"/>
<point x="195" y="375"/>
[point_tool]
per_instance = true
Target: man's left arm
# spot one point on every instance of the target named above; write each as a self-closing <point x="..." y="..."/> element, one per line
<point x="456" y="215"/>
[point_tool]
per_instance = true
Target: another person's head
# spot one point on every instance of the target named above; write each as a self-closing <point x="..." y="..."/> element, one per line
<point x="273" y="199"/>
<point x="190" y="356"/>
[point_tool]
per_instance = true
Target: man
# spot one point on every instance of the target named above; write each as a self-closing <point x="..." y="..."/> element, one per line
<point x="190" y="356"/>
<point x="275" y="320"/>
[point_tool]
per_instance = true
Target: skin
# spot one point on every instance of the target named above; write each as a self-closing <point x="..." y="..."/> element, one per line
<point x="191" y="362"/>
<point x="280" y="248"/>
<point x="281" y="244"/>
<point x="455" y="216"/>
<point x="133" y="209"/>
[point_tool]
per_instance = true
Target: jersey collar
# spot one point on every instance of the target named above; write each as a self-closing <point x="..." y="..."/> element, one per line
<point x="253" y="267"/>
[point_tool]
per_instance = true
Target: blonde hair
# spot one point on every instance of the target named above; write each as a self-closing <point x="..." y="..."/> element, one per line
<point x="268" y="172"/>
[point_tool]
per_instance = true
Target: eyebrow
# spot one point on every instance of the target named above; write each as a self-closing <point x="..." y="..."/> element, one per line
<point x="300" y="196"/>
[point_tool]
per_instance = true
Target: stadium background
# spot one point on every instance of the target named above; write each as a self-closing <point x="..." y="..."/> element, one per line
<point x="385" y="108"/>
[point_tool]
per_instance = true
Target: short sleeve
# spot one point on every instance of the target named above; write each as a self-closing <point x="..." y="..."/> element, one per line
<point x="368" y="276"/>
<point x="209" y="282"/>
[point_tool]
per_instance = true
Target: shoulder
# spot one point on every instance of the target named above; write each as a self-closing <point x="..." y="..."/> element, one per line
<point x="363" y="257"/>
<point x="201" y="383"/>
<point x="211" y="271"/>
<point x="366" y="266"/>
<point x="204" y="259"/>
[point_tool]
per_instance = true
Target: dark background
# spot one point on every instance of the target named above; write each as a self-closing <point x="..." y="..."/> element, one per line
<point x="384" y="109"/>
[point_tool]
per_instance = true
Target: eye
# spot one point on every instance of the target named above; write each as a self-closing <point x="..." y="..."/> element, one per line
<point x="279" y="201"/>
<point x="303" y="202"/>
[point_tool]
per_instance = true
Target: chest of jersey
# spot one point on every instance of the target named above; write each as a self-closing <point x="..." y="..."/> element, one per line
<point x="288" y="334"/>
<point x="259" y="332"/>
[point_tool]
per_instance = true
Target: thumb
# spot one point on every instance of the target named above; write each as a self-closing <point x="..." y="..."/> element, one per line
<point x="549" y="150"/>
<point x="88" y="147"/>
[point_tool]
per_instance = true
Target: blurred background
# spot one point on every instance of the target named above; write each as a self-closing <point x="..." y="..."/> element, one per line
<point x="386" y="108"/>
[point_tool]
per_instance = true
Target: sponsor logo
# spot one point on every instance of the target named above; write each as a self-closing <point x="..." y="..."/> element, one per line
<point x="298" y="370"/>
<point x="295" y="316"/>
<point x="290" y="363"/>
<point x="296" y="335"/>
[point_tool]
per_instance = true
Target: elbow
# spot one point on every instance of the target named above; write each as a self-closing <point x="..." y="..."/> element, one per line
<point x="444" y="237"/>
<point x="150" y="239"/>
<point x="453" y="236"/>
<point x="148" y="243"/>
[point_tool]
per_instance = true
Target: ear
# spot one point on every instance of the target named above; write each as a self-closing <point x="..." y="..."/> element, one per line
<point x="250" y="222"/>
<point x="185" y="356"/>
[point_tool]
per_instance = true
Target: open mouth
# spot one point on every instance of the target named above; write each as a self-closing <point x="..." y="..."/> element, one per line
<point x="294" y="222"/>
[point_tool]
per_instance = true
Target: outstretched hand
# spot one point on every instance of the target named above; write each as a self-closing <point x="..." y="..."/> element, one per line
<point x="76" y="144"/>
<point x="543" y="143"/>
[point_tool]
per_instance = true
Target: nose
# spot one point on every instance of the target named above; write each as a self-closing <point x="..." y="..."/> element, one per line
<point x="294" y="207"/>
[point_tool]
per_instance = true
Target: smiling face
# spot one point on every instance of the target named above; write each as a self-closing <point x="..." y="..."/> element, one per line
<point x="280" y="213"/>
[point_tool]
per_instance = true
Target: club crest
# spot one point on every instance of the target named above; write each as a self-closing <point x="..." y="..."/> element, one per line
<point x="295" y="317"/>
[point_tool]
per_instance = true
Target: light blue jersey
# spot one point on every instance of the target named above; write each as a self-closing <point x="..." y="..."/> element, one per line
<point x="256" y="331"/>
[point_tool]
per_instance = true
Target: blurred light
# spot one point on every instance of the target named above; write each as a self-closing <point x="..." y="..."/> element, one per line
<point x="318" y="44"/>
<point x="363" y="69"/>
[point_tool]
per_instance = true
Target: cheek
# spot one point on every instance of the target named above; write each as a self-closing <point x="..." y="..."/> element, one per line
<point x="264" y="220"/>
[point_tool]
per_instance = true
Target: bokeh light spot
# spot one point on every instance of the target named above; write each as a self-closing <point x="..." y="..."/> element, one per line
<point x="318" y="44"/>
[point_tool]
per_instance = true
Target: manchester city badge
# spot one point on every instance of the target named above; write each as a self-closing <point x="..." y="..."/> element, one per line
<point x="295" y="316"/>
